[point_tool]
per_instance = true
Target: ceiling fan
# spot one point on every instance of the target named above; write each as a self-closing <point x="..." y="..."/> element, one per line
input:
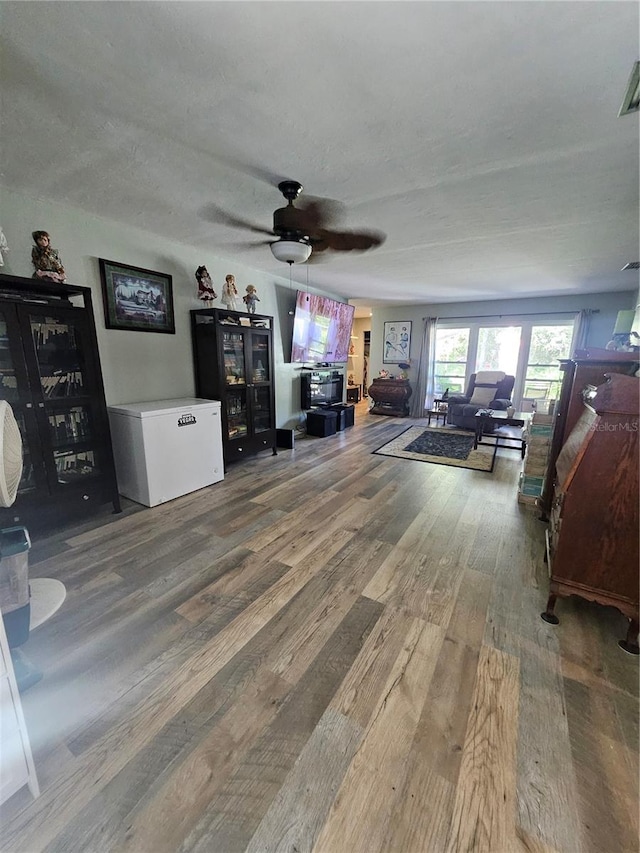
<point x="303" y="230"/>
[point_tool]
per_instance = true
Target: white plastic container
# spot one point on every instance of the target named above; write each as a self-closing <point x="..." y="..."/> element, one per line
<point x="166" y="448"/>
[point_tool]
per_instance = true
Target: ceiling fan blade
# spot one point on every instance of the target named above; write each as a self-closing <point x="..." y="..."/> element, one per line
<point x="353" y="241"/>
<point x="318" y="213"/>
<point x="216" y="214"/>
<point x="319" y="242"/>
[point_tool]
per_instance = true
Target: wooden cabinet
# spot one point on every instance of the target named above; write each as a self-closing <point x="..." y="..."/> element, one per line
<point x="50" y="375"/>
<point x="592" y="540"/>
<point x="391" y="397"/>
<point x="16" y="761"/>
<point x="354" y="393"/>
<point x="587" y="367"/>
<point x="233" y="358"/>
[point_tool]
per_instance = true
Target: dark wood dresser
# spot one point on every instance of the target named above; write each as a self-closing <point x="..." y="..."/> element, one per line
<point x="593" y="540"/>
<point x="587" y="367"/>
<point x="390" y="396"/>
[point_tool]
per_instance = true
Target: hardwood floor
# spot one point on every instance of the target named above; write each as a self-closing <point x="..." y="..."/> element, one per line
<point x="330" y="651"/>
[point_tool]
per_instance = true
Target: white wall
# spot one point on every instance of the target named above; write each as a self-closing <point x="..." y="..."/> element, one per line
<point x="139" y="366"/>
<point x="600" y="330"/>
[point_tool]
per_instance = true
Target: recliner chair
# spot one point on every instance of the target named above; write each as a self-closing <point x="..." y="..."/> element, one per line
<point x="486" y="390"/>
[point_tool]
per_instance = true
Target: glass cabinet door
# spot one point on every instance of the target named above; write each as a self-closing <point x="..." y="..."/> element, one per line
<point x="233" y="346"/>
<point x="14" y="384"/>
<point x="59" y="355"/>
<point x="233" y="350"/>
<point x="260" y="366"/>
<point x="60" y="358"/>
<point x="261" y="408"/>
<point x="72" y="440"/>
<point x="8" y="379"/>
<point x="237" y="418"/>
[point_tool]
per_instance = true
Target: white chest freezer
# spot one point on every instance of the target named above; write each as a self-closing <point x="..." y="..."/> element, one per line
<point x="166" y="448"/>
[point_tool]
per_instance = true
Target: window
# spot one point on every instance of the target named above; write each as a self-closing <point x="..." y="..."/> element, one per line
<point x="452" y="346"/>
<point x="543" y="377"/>
<point x="498" y="348"/>
<point x="528" y="349"/>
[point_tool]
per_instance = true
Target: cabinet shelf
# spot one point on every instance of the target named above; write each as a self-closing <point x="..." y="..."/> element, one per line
<point x="72" y="445"/>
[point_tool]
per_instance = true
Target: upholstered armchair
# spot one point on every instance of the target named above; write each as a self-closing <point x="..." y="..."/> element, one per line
<point x="488" y="389"/>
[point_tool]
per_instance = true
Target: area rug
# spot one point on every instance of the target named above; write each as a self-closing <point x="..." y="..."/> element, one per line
<point x="441" y="447"/>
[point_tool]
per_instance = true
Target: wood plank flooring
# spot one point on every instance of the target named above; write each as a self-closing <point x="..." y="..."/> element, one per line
<point x="331" y="651"/>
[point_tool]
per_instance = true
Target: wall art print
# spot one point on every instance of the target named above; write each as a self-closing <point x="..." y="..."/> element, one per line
<point x="397" y="342"/>
<point x="136" y="299"/>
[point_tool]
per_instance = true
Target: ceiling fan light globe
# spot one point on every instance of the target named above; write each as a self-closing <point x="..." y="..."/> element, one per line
<point x="291" y="251"/>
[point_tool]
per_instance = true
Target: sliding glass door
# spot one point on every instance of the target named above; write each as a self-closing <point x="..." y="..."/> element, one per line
<point x="542" y="377"/>
<point x="527" y="349"/>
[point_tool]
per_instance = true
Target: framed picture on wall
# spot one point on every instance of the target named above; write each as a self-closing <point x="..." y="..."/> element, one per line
<point x="397" y="342"/>
<point x="136" y="299"/>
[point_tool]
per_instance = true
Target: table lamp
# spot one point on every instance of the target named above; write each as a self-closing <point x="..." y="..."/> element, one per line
<point x="623" y="333"/>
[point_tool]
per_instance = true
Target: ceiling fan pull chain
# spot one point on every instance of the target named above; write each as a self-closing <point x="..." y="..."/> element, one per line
<point x="291" y="312"/>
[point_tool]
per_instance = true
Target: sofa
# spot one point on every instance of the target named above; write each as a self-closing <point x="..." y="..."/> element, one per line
<point x="487" y="389"/>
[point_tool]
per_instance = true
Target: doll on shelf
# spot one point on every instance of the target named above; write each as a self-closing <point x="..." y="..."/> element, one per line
<point x="4" y="247"/>
<point x="250" y="299"/>
<point x="46" y="260"/>
<point x="205" y="286"/>
<point x="230" y="293"/>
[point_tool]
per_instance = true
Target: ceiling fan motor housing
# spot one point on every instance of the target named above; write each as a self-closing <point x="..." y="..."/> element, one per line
<point x="286" y="222"/>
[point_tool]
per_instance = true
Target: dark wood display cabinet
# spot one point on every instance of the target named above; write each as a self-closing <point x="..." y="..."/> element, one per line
<point x="50" y="376"/>
<point x="233" y="359"/>
<point x="592" y="540"/>
<point x="390" y="397"/>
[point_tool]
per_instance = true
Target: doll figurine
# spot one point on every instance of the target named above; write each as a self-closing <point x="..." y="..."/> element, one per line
<point x="46" y="261"/>
<point x="205" y="285"/>
<point x="230" y="293"/>
<point x="4" y="247"/>
<point x="250" y="299"/>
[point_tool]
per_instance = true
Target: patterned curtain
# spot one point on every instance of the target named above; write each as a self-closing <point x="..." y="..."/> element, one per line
<point x="422" y="397"/>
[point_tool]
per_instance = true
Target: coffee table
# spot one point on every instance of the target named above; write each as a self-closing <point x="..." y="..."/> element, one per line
<point x="436" y="413"/>
<point x="486" y="418"/>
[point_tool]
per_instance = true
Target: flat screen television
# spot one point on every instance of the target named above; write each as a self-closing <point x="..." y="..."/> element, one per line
<point x="321" y="330"/>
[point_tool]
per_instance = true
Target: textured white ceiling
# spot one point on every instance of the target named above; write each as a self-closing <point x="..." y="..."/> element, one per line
<point x="482" y="138"/>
